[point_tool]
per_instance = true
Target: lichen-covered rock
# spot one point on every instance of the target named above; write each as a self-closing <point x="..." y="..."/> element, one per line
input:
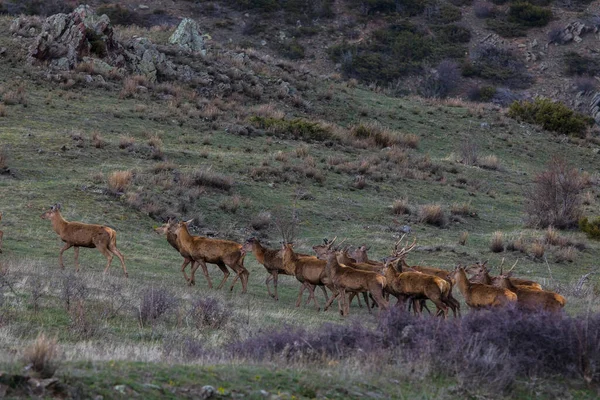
<point x="595" y="107"/>
<point x="187" y="35"/>
<point x="145" y="59"/>
<point x="573" y="32"/>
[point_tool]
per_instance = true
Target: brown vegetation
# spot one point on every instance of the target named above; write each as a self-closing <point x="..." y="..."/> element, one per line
<point x="78" y="234"/>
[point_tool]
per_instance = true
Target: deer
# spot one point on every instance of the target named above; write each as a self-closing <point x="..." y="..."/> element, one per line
<point x="79" y="234"/>
<point x="360" y="255"/>
<point x="168" y="229"/>
<point x="528" y="298"/>
<point x="223" y="253"/>
<point x="438" y="272"/>
<point x="481" y="275"/>
<point x="478" y="295"/>
<point x="1" y="234"/>
<point x="347" y="279"/>
<point x="417" y="286"/>
<point x="272" y="260"/>
<point x="310" y="271"/>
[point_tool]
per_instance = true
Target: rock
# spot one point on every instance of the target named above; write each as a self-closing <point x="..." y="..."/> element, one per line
<point x="207" y="392"/>
<point x="187" y="35"/>
<point x="573" y="32"/>
<point x="23" y="26"/>
<point x="595" y="107"/>
<point x="120" y="388"/>
<point x="143" y="7"/>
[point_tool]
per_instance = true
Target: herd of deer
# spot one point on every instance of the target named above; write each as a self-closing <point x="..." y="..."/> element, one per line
<point x="346" y="273"/>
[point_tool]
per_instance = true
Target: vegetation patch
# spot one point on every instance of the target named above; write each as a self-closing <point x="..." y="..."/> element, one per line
<point x="499" y="65"/>
<point x="297" y="128"/>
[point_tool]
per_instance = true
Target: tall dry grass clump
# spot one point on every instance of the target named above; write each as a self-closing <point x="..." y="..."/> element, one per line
<point x="433" y="214"/>
<point x="401" y="206"/>
<point x="462" y="239"/>
<point x="2" y="110"/>
<point x="497" y="243"/>
<point x="41" y="356"/>
<point x="376" y="134"/>
<point x="491" y="162"/>
<point x="119" y="181"/>
<point x="537" y="250"/>
<point x="3" y="159"/>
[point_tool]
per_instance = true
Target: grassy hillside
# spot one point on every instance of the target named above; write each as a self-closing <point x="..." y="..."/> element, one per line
<point x="207" y="158"/>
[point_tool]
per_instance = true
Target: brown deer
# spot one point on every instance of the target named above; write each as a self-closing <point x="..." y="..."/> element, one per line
<point x="417" y="286"/>
<point x="360" y="255"/>
<point x="223" y="253"/>
<point x="310" y="271"/>
<point x="346" y="279"/>
<point x="1" y="234"/>
<point x="528" y="298"/>
<point x="481" y="275"/>
<point x="400" y="255"/>
<point x="272" y="260"/>
<point x="478" y="295"/>
<point x="78" y="234"/>
<point x="168" y="229"/>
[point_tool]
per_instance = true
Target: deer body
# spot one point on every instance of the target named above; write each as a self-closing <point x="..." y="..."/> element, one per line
<point x="78" y="234"/>
<point x="533" y="299"/>
<point x="223" y="253"/>
<point x="310" y="271"/>
<point x="347" y="279"/>
<point x="478" y="295"/>
<point x="418" y="286"/>
<point x="482" y="275"/>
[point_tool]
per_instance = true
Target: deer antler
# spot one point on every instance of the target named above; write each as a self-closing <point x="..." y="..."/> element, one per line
<point x="404" y="251"/>
<point x="513" y="267"/>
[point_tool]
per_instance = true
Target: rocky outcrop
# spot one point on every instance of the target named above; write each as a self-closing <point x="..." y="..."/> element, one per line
<point x="573" y="32"/>
<point x="187" y="35"/>
<point x="595" y="107"/>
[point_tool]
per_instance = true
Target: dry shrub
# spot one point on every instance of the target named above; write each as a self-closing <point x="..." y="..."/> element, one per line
<point x="83" y="326"/>
<point x="565" y="254"/>
<point x="376" y="134"/>
<point x="464" y="209"/>
<point x="409" y="140"/>
<point x="231" y="204"/>
<point x="261" y="221"/>
<point x="401" y="206"/>
<point x="516" y="245"/>
<point x="15" y="96"/>
<point x="268" y="111"/>
<point x="41" y="356"/>
<point x="3" y="159"/>
<point x="98" y="141"/>
<point x="489" y="162"/>
<point x="433" y="214"/>
<point x="210" y="112"/>
<point x="469" y="152"/>
<point x="155" y="303"/>
<point x="206" y="177"/>
<point x="129" y="89"/>
<point x="140" y="108"/>
<point x="165" y="166"/>
<point x="497" y="243"/>
<point x="588" y="198"/>
<point x="360" y="182"/>
<point x="537" y="250"/>
<point x="2" y="110"/>
<point x="552" y="237"/>
<point x="555" y="198"/>
<point x="310" y="162"/>
<point x="119" y="181"/>
<point x="155" y="141"/>
<point x="126" y="142"/>
<point x="301" y="151"/>
<point x="208" y="313"/>
<point x="462" y="239"/>
<point x="281" y="156"/>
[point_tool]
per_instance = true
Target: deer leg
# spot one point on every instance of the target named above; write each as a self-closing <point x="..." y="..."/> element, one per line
<point x="275" y="278"/>
<point x="324" y="292"/>
<point x="113" y="249"/>
<point x="423" y="305"/>
<point x="186" y="261"/>
<point x="312" y="294"/>
<point x="300" y="294"/>
<point x="366" y="297"/>
<point x="269" y="279"/>
<point x="195" y="265"/>
<point x="76" y="251"/>
<point x="225" y="271"/>
<point x="244" y="275"/>
<point x="442" y="308"/>
<point x="454" y="305"/>
<point x="109" y="256"/>
<point x="330" y="300"/>
<point x="60" y="255"/>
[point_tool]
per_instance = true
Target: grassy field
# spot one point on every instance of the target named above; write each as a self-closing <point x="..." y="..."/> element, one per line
<point x="47" y="137"/>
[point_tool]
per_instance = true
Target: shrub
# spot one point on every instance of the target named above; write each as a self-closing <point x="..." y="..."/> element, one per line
<point x="576" y="64"/>
<point x="98" y="141"/>
<point x="119" y="181"/>
<point x="208" y="313"/>
<point x="401" y="207"/>
<point x="555" y="198"/>
<point x="439" y="84"/>
<point x="442" y="13"/>
<point x="2" y="110"/>
<point x="3" y="159"/>
<point x="462" y="239"/>
<point x="469" y="152"/>
<point x="155" y="303"/>
<point x="498" y="65"/>
<point x="529" y="15"/>
<point x="591" y="228"/>
<point x="126" y="142"/>
<point x="584" y="84"/>
<point x="484" y="10"/>
<point x="262" y="221"/>
<point x="463" y="209"/>
<point x="552" y="116"/>
<point x="231" y="204"/>
<point x="505" y="28"/>
<point x="433" y="214"/>
<point x="298" y="128"/>
<point x="537" y="249"/>
<point x="497" y="243"/>
<point x="376" y="134"/>
<point x="453" y="33"/>
<point x="291" y="49"/>
<point x="41" y="356"/>
<point x="481" y="93"/>
<point x="489" y="162"/>
<point x="206" y="177"/>
<point x="120" y="15"/>
<point x="565" y="254"/>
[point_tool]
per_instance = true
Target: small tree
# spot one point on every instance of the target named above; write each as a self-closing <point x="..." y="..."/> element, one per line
<point x="556" y="196"/>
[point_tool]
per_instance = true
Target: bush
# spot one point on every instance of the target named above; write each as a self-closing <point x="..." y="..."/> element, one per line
<point x="401" y="206"/>
<point x="505" y="28"/>
<point x="41" y="356"/>
<point x="208" y="313"/>
<point x="552" y="116"/>
<point x="442" y="14"/>
<point x="442" y="81"/>
<point x="407" y="8"/>
<point x="298" y="128"/>
<point x="206" y="177"/>
<point x="291" y="49"/>
<point x="376" y="134"/>
<point x="484" y="10"/>
<point x="155" y="303"/>
<point x="585" y="84"/>
<point x="433" y="214"/>
<point x="576" y="64"/>
<point x="591" y="228"/>
<point x="556" y="196"/>
<point x="453" y="33"/>
<point x="120" y="15"/>
<point x="119" y="181"/>
<point x="527" y="14"/>
<point x="497" y="243"/>
<point x="481" y="93"/>
<point x="498" y="65"/>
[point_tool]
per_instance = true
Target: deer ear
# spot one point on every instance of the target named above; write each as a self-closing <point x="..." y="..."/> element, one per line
<point x="189" y="221"/>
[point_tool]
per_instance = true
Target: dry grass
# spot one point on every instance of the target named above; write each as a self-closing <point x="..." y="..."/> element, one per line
<point x="489" y="162"/>
<point x="119" y="181"/>
<point x="464" y="209"/>
<point x="565" y="254"/>
<point x="155" y="141"/>
<point x="552" y="237"/>
<point x="588" y="197"/>
<point x="517" y="245"/>
<point x="301" y="151"/>
<point x="210" y="112"/>
<point x="409" y="140"/>
<point x="433" y="214"/>
<point x="377" y="135"/>
<point x="268" y="111"/>
<point x="15" y="96"/>
<point x="281" y="156"/>
<point x="497" y="242"/>
<point x="231" y="204"/>
<point x="537" y="249"/>
<point x="462" y="239"/>
<point x="41" y="356"/>
<point x="126" y="142"/>
<point x="2" y="110"/>
<point x="3" y="159"/>
<point x="401" y="206"/>
<point x="98" y="141"/>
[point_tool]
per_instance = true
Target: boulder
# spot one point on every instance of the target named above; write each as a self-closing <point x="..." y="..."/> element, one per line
<point x="187" y="35"/>
<point x="595" y="107"/>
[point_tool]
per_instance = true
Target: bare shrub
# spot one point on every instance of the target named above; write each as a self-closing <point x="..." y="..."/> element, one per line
<point x="489" y="162"/>
<point x="585" y="84"/>
<point x="440" y="82"/>
<point x="83" y="325"/>
<point x="41" y="356"/>
<point x="497" y="242"/>
<point x="208" y="313"/>
<point x="73" y="288"/>
<point x="401" y="206"/>
<point x="119" y="181"/>
<point x="484" y="10"/>
<point x="537" y="249"/>
<point x="462" y="239"/>
<point x="565" y="254"/>
<point x="231" y="204"/>
<point x="556" y="196"/>
<point x="98" y="141"/>
<point x="469" y="152"/>
<point x="262" y="221"/>
<point x="463" y="209"/>
<point x="126" y="142"/>
<point x="433" y="214"/>
<point x="155" y="303"/>
<point x="36" y="290"/>
<point x="376" y="134"/>
<point x="206" y="177"/>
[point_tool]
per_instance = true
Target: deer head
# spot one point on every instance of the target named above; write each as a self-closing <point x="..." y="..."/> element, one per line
<point x="51" y="212"/>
